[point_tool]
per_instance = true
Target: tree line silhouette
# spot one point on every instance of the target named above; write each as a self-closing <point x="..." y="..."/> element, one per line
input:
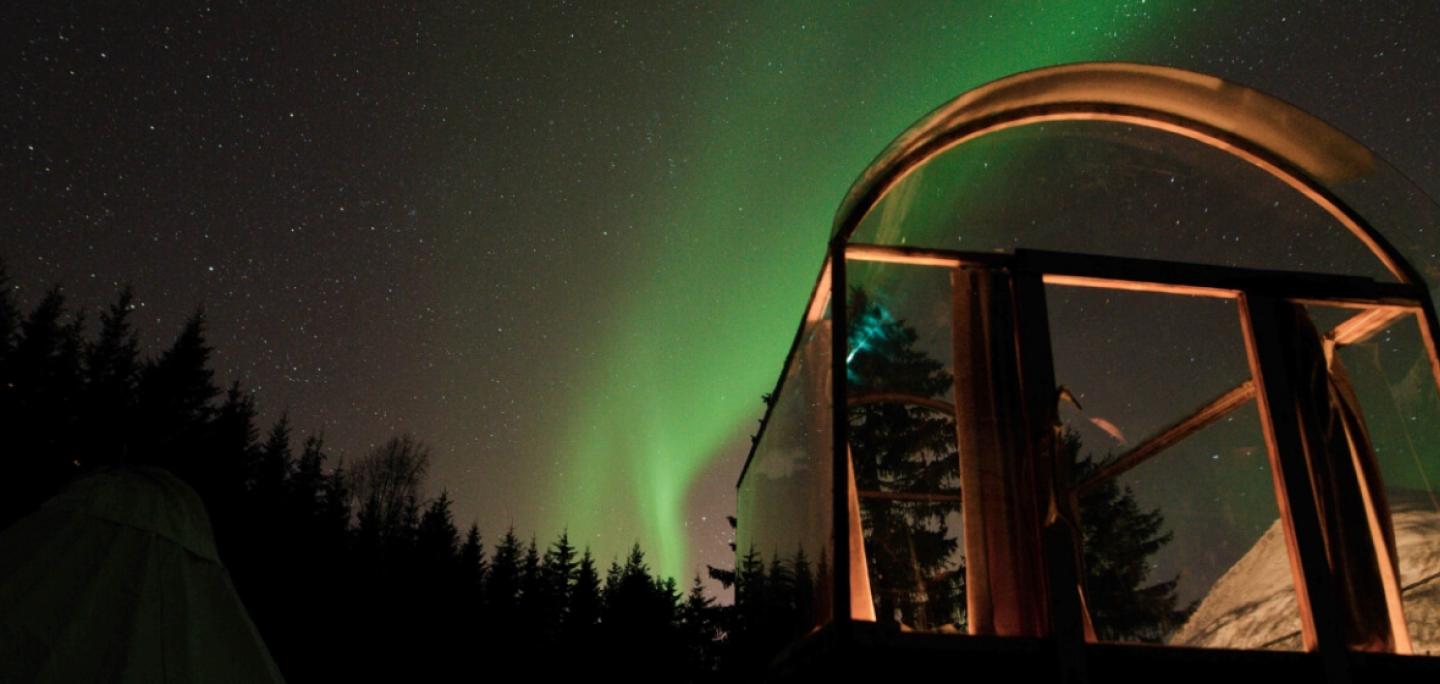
<point x="350" y="572"/>
<point x="347" y="570"/>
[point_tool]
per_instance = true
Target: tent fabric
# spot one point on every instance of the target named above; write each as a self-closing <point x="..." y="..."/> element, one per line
<point x="117" y="579"/>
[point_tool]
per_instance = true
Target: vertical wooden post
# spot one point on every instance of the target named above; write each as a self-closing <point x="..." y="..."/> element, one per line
<point x="862" y="601"/>
<point x="1268" y="349"/>
<point x="1005" y="592"/>
<point x="1056" y="511"/>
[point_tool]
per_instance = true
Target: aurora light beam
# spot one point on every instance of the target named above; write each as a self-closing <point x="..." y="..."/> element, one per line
<point x="790" y="111"/>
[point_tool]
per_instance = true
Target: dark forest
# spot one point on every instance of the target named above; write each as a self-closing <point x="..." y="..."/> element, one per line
<point x="346" y="569"/>
<point x="349" y="571"/>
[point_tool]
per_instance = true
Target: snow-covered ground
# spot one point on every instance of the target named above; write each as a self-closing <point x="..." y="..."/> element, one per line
<point x="1253" y="603"/>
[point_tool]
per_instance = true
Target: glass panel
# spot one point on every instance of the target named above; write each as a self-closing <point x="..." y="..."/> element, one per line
<point x="1114" y="189"/>
<point x="902" y="440"/>
<point x="1185" y="548"/>
<point x="1135" y="362"/>
<point x="902" y="301"/>
<point x="1391" y="376"/>
<point x="783" y="536"/>
<point x="1401" y="212"/>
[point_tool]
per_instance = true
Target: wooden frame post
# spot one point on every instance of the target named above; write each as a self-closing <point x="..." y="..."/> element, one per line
<point x="1315" y="587"/>
<point x="994" y="421"/>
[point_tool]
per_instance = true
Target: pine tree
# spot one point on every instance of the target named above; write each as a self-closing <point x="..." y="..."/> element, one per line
<point x="437" y="540"/>
<point x="228" y="456"/>
<point x="112" y="366"/>
<point x="804" y="593"/>
<point x="112" y="361"/>
<point x="275" y="462"/>
<point x="639" y="619"/>
<point x="779" y="601"/>
<point x="627" y="592"/>
<point x="40" y="408"/>
<point x="435" y="611"/>
<point x="502" y="585"/>
<point x="558" y="578"/>
<point x="745" y="651"/>
<point x="469" y="590"/>
<point x="612" y="583"/>
<point x="534" y="617"/>
<point x="698" y="629"/>
<point x="305" y="485"/>
<point x="915" y="572"/>
<point x="180" y="382"/>
<point x="175" y="394"/>
<point x="1119" y="539"/>
<point x="585" y="600"/>
<point x="335" y="507"/>
<point x="472" y="560"/>
<point x="750" y="595"/>
<point x="401" y="537"/>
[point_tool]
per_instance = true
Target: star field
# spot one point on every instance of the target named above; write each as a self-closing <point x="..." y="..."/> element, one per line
<point x="566" y="245"/>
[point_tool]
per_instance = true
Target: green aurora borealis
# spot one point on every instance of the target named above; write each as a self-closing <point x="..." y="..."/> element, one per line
<point x="566" y="245"/>
<point x="698" y="323"/>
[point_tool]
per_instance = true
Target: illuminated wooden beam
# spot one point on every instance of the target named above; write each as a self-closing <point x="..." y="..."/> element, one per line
<point x="1268" y="347"/>
<point x="1365" y="325"/>
<point x="916" y="256"/>
<point x="1164" y="277"/>
<point x="862" y="599"/>
<point x="820" y="298"/>
<point x="1140" y="286"/>
<point x="1216" y="409"/>
<point x="1354" y="330"/>
<point x="1167" y="277"/>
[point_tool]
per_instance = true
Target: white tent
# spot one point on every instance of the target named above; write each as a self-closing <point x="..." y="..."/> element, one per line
<point x="117" y="579"/>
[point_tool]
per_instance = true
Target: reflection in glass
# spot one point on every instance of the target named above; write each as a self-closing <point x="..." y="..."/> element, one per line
<point x="902" y="441"/>
<point x="1181" y="536"/>
<point x="1390" y="374"/>
<point x="784" y="528"/>
<point x="1112" y="189"/>
<point x="1197" y="525"/>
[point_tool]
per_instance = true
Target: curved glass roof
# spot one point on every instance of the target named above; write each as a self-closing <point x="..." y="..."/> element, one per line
<point x="1149" y="162"/>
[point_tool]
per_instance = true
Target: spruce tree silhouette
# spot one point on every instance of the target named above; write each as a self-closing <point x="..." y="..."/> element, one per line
<point x="916" y="575"/>
<point x="558" y="575"/>
<point x="904" y="450"/>
<point x="112" y="367"/>
<point x="349" y="560"/>
<point x="699" y="630"/>
<point x="639" y="618"/>
<point x="502" y="589"/>
<point x="582" y="620"/>
<point x="1125" y="604"/>
<point x="40" y="406"/>
<point x="437" y="541"/>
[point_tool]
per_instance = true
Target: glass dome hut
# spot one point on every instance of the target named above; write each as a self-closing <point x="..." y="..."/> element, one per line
<point x="1104" y="356"/>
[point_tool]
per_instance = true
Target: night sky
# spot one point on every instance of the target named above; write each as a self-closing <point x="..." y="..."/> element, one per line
<point x="567" y="246"/>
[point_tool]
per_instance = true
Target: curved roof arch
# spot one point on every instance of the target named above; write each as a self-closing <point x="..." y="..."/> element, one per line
<point x="1298" y="149"/>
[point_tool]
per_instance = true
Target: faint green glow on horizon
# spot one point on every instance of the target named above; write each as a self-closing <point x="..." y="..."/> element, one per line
<point x="708" y="313"/>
